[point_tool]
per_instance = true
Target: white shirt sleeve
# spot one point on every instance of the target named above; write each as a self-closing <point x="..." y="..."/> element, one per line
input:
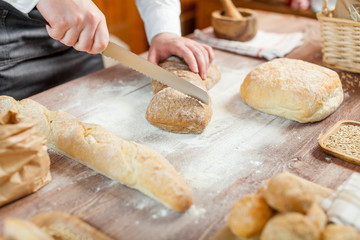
<point x="160" y="16"/>
<point x="24" y="6"/>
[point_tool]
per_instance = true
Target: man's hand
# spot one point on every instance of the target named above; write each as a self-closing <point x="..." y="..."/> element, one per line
<point x="198" y="56"/>
<point x="76" y="23"/>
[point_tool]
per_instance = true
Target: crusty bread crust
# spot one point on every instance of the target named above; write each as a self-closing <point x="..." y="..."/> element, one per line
<point x="290" y="225"/>
<point x="293" y="89"/>
<point x="132" y="164"/>
<point x="63" y="226"/>
<point x="249" y="216"/>
<point x="340" y="232"/>
<point x="286" y="192"/>
<point x="17" y="229"/>
<point x="174" y="111"/>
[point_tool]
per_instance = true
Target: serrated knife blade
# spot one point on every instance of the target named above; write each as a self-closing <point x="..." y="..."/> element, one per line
<point x="153" y="71"/>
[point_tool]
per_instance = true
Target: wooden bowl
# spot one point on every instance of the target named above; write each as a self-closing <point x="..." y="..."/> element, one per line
<point x="235" y="29"/>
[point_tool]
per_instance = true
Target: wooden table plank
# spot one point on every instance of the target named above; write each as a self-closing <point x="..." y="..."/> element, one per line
<point x="239" y="149"/>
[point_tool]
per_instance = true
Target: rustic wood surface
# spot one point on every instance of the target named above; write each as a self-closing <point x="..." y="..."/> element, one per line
<point x="240" y="148"/>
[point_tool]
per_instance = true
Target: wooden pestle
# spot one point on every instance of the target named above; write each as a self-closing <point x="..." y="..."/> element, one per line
<point x="230" y="9"/>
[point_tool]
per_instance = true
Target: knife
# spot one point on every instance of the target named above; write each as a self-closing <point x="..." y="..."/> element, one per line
<point x="143" y="66"/>
<point x="147" y="68"/>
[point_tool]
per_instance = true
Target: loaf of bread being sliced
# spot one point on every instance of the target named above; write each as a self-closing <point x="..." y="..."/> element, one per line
<point x="174" y="111"/>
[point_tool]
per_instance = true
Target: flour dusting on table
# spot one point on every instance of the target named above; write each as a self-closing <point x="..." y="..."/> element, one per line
<point x="235" y="135"/>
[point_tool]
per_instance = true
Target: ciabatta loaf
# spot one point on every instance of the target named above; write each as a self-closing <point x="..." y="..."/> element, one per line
<point x="293" y="89"/>
<point x="174" y="111"/>
<point x="132" y="164"/>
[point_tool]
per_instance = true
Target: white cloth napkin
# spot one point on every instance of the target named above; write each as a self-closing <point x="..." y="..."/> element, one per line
<point x="265" y="44"/>
<point x="343" y="205"/>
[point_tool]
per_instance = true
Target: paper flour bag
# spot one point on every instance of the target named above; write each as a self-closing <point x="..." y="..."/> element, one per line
<point x="24" y="161"/>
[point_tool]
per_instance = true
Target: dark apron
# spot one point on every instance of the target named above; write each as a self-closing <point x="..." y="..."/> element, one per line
<point x="31" y="61"/>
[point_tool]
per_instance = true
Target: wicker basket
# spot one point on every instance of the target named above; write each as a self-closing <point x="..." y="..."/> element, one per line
<point x="340" y="41"/>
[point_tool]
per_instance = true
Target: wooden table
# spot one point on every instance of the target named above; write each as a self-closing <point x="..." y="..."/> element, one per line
<point x="239" y="149"/>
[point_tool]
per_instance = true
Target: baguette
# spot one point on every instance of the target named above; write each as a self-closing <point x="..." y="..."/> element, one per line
<point x="17" y="229"/>
<point x="51" y="226"/>
<point x="64" y="226"/>
<point x="174" y="111"/>
<point x="132" y="164"/>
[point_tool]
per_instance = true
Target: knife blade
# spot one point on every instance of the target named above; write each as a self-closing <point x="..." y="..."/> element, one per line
<point x="154" y="71"/>
<point x="143" y="66"/>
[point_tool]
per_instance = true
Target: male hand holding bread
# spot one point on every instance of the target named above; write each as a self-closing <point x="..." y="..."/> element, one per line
<point x="176" y="112"/>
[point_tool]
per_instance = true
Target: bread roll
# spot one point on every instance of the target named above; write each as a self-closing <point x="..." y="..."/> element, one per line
<point x="63" y="226"/>
<point x="249" y="215"/>
<point x="340" y="232"/>
<point x="174" y="111"/>
<point x="286" y="192"/>
<point x="17" y="229"/>
<point x="293" y="89"/>
<point x="132" y="164"/>
<point x="317" y="216"/>
<point x="286" y="226"/>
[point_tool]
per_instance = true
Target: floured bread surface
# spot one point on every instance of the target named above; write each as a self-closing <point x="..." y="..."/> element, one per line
<point x="293" y="89"/>
<point x="174" y="111"/>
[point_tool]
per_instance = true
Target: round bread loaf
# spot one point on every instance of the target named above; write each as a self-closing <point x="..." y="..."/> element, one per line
<point x="285" y="193"/>
<point x="293" y="89"/>
<point x="291" y="225"/>
<point x="249" y="215"/>
<point x="174" y="111"/>
<point x="340" y="232"/>
<point x="317" y="216"/>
